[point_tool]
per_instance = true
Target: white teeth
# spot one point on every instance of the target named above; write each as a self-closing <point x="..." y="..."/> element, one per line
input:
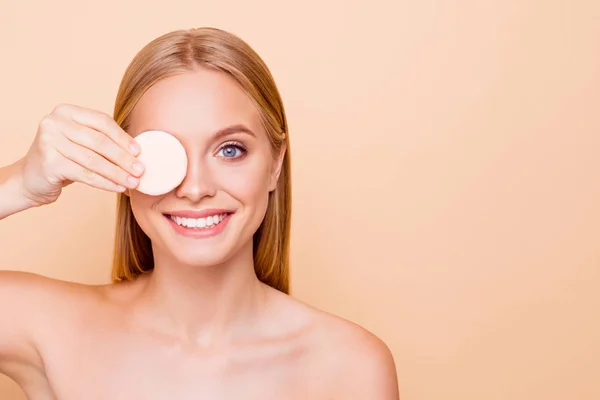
<point x="208" y="222"/>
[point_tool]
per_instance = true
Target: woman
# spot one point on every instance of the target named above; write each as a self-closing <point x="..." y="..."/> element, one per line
<point x="193" y="312"/>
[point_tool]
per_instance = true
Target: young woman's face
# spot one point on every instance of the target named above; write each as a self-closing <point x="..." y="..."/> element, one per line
<point x="231" y="170"/>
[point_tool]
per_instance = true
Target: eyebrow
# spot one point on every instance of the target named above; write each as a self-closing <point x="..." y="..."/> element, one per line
<point x="237" y="128"/>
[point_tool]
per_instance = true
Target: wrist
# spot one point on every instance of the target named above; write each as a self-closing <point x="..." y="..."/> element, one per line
<point x="19" y="185"/>
<point x="12" y="190"/>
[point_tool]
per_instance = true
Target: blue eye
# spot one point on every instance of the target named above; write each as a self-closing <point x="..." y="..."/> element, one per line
<point x="231" y="151"/>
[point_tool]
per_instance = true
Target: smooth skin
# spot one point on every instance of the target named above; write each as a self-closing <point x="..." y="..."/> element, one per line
<point x="201" y="326"/>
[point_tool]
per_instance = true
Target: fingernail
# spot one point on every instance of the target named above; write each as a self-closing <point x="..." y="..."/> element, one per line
<point x="132" y="180"/>
<point x="138" y="167"/>
<point x="134" y="147"/>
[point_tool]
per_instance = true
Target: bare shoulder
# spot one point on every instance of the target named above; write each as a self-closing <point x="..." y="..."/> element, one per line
<point x="30" y="304"/>
<point x="27" y="289"/>
<point x="364" y="365"/>
<point x="38" y="301"/>
<point x="358" y="363"/>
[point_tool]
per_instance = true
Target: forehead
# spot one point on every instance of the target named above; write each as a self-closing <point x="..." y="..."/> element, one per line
<point x="194" y="105"/>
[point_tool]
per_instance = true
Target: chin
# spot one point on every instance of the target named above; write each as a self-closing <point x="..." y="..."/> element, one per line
<point x="199" y="259"/>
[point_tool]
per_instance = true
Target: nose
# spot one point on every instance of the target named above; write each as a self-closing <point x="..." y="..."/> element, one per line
<point x="198" y="182"/>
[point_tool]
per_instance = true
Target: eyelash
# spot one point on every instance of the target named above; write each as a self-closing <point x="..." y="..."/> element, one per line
<point x="238" y="146"/>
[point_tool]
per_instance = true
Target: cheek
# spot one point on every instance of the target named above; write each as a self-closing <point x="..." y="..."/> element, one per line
<point x="140" y="201"/>
<point x="247" y="183"/>
<point x="141" y="206"/>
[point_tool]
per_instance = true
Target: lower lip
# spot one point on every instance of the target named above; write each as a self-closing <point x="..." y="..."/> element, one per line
<point x="199" y="232"/>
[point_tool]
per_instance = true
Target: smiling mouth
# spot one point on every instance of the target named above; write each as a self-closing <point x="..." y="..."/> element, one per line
<point x="199" y="223"/>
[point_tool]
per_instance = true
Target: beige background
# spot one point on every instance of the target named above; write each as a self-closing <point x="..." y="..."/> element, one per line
<point x="445" y="159"/>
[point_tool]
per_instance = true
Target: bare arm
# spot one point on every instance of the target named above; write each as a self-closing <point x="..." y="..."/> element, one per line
<point x="17" y="289"/>
<point x="72" y="144"/>
<point x="20" y="296"/>
<point x="17" y="350"/>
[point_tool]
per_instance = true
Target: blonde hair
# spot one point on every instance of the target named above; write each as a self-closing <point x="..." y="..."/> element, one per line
<point x="180" y="52"/>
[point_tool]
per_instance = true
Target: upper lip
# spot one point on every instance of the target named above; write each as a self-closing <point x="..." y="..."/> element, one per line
<point x="198" y="213"/>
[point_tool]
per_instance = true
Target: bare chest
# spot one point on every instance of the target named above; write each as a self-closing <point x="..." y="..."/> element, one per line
<point x="115" y="366"/>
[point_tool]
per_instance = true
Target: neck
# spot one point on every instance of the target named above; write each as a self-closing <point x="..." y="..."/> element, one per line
<point x="203" y="305"/>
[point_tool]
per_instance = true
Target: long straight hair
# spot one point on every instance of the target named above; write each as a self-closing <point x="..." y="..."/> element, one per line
<point x="180" y="52"/>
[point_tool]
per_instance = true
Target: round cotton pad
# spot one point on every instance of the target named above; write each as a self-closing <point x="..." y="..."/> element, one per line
<point x="165" y="162"/>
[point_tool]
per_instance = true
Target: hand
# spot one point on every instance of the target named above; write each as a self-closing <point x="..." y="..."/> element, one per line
<point x="75" y="144"/>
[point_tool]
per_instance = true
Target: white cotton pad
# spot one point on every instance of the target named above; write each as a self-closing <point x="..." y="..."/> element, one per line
<point x="165" y="162"/>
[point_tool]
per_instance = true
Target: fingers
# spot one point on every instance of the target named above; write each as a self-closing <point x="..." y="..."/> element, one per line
<point x="100" y="122"/>
<point x="76" y="173"/>
<point x="93" y="169"/>
<point x="103" y="145"/>
<point x="96" y="150"/>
